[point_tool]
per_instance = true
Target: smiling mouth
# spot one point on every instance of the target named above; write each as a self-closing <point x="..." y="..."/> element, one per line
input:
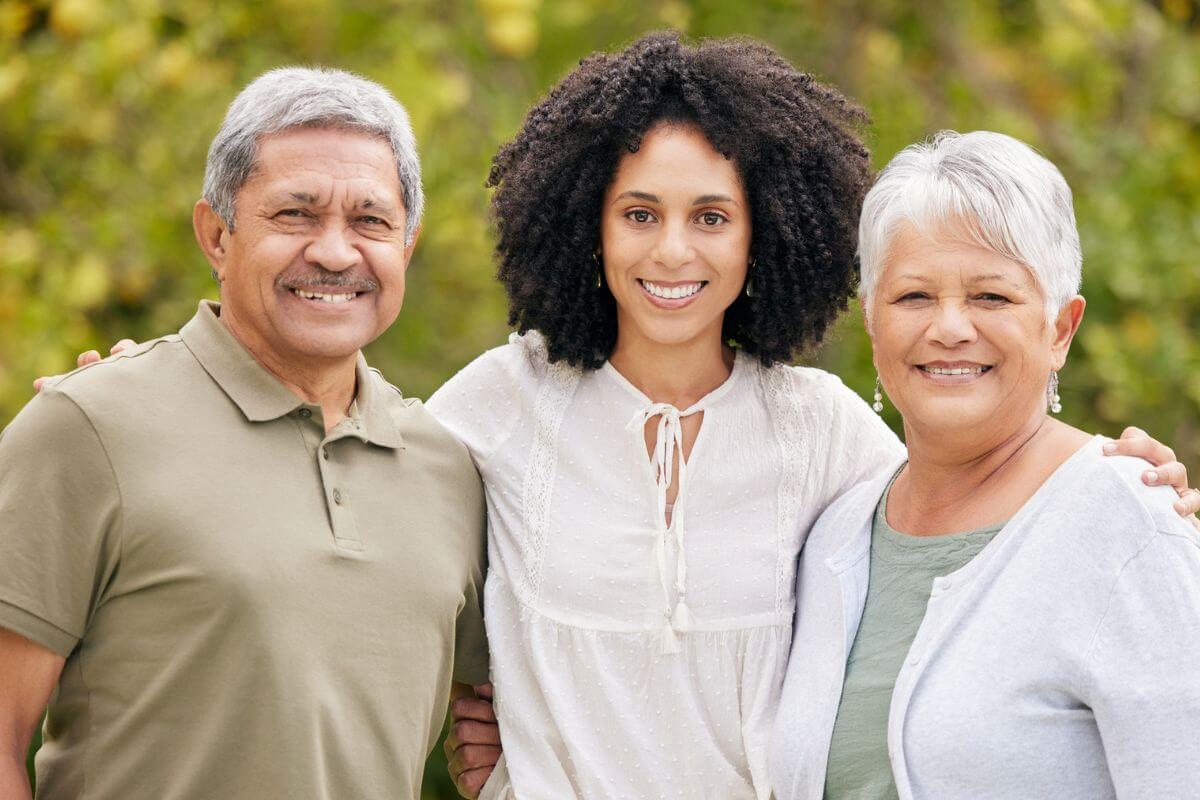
<point x="678" y="291"/>
<point x="325" y="297"/>
<point x="974" y="370"/>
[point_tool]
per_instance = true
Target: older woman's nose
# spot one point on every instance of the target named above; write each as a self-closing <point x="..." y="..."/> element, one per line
<point x="333" y="249"/>
<point x="950" y="325"/>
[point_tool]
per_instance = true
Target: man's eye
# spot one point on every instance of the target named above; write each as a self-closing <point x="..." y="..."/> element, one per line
<point x="291" y="212"/>
<point x="374" y="221"/>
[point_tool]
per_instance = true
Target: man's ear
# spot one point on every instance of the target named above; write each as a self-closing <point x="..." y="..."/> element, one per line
<point x="212" y="236"/>
<point x="1065" y="326"/>
<point x="411" y="246"/>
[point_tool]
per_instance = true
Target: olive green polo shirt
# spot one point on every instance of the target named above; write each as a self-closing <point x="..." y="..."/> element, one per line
<point x="249" y="607"/>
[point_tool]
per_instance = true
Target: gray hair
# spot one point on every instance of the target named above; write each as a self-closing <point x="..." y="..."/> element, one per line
<point x="303" y="97"/>
<point x="997" y="190"/>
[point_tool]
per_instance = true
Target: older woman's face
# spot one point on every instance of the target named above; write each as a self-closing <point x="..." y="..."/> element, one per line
<point x="961" y="339"/>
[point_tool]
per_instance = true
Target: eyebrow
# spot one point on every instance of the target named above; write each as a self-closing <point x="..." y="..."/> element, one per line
<point x="653" y="198"/>
<point x="369" y="203"/>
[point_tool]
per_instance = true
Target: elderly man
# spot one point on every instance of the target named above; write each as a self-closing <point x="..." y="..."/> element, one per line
<point x="234" y="560"/>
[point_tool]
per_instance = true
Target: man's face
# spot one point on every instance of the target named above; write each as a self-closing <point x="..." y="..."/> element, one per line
<point x="314" y="268"/>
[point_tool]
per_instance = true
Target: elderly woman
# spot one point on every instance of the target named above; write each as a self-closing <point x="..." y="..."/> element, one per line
<point x="1007" y="614"/>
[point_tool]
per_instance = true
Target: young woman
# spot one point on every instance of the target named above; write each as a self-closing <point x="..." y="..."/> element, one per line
<point x="675" y="224"/>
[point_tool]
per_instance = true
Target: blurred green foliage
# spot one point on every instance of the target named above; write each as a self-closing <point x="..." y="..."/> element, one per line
<point x="107" y="108"/>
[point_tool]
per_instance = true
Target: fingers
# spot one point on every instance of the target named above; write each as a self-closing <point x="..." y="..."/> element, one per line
<point x="1171" y="474"/>
<point x="469" y="784"/>
<point x="40" y="382"/>
<point x="1135" y="442"/>
<point x="87" y="357"/>
<point x="121" y="346"/>
<point x="483" y="690"/>
<point x="472" y="708"/>
<point x="469" y="732"/>
<point x="1188" y="504"/>
<point x="472" y="757"/>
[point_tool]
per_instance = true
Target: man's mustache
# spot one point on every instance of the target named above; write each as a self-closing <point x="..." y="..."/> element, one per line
<point x="318" y="278"/>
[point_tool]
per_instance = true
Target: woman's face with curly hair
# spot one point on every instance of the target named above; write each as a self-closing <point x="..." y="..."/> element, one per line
<point x="675" y="239"/>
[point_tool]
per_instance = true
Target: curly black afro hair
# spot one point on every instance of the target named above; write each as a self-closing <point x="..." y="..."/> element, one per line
<point x="794" y="142"/>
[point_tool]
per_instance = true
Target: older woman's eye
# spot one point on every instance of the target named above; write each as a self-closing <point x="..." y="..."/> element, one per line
<point x="912" y="297"/>
<point x="992" y="298"/>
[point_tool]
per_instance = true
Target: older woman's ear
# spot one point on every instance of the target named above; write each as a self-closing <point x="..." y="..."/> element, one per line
<point x="1065" y="326"/>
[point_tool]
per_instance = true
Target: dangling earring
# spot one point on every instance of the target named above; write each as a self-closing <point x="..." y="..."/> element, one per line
<point x="1053" y="401"/>
<point x="599" y="270"/>
<point x="877" y="406"/>
<point x="749" y="288"/>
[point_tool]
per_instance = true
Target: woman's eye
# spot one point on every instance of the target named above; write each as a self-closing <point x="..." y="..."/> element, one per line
<point x="711" y="218"/>
<point x="640" y="215"/>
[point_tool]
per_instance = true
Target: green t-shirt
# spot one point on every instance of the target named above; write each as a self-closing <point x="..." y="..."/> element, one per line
<point x="902" y="571"/>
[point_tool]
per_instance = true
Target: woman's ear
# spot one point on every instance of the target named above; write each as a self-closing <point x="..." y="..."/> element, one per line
<point x="1065" y="326"/>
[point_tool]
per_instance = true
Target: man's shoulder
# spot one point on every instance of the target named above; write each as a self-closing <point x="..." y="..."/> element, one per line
<point x="412" y="418"/>
<point x="124" y="378"/>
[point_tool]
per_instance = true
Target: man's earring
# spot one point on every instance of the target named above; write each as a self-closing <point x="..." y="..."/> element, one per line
<point x="749" y="288"/>
<point x="877" y="406"/>
<point x="1053" y="401"/>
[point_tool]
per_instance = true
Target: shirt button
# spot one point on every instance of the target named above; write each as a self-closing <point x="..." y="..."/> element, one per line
<point x="337" y="497"/>
<point x="325" y="453"/>
<point x="914" y="660"/>
<point x="306" y="413"/>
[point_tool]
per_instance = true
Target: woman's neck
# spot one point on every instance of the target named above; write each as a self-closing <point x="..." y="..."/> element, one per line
<point x="946" y="488"/>
<point x="679" y="374"/>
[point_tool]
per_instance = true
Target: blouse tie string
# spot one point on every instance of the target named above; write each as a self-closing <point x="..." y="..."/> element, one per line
<point x="668" y="443"/>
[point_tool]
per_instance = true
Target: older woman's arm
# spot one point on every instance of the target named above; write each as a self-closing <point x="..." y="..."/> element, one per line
<point x="1140" y="679"/>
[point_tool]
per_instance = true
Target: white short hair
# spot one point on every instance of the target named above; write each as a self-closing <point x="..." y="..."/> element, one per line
<point x="309" y="97"/>
<point x="996" y="190"/>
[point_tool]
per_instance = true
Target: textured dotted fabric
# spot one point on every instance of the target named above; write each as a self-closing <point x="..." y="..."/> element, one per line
<point x="581" y="587"/>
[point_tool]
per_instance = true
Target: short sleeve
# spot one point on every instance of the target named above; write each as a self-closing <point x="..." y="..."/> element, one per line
<point x="1140" y="680"/>
<point x="482" y="404"/>
<point x="862" y="445"/>
<point x="844" y="441"/>
<point x="60" y="515"/>
<point x="470" y="640"/>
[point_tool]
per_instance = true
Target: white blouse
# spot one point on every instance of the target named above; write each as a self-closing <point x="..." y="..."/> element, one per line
<point x="634" y="658"/>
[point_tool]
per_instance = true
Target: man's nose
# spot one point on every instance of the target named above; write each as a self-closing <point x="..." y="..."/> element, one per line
<point x="333" y="248"/>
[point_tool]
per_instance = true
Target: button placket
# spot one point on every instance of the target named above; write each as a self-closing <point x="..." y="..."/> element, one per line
<point x="333" y="478"/>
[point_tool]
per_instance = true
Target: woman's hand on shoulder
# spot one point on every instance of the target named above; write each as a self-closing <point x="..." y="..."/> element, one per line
<point x="1167" y="470"/>
<point x="88" y="357"/>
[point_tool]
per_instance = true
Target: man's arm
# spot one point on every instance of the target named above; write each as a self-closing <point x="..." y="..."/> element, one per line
<point x="473" y="746"/>
<point x="28" y="674"/>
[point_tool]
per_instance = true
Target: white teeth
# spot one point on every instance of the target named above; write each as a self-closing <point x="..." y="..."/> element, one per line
<point x="955" y="370"/>
<point x="672" y="292"/>
<point x="325" y="298"/>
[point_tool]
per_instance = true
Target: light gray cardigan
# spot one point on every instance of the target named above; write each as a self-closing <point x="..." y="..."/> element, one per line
<point x="1063" y="661"/>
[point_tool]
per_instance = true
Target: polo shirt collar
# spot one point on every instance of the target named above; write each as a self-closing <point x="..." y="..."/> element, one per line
<point x="261" y="397"/>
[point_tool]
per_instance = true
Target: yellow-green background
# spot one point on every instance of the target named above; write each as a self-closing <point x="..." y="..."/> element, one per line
<point x="107" y="108"/>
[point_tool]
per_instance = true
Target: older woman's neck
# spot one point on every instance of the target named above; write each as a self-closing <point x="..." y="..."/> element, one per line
<point x="952" y="485"/>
